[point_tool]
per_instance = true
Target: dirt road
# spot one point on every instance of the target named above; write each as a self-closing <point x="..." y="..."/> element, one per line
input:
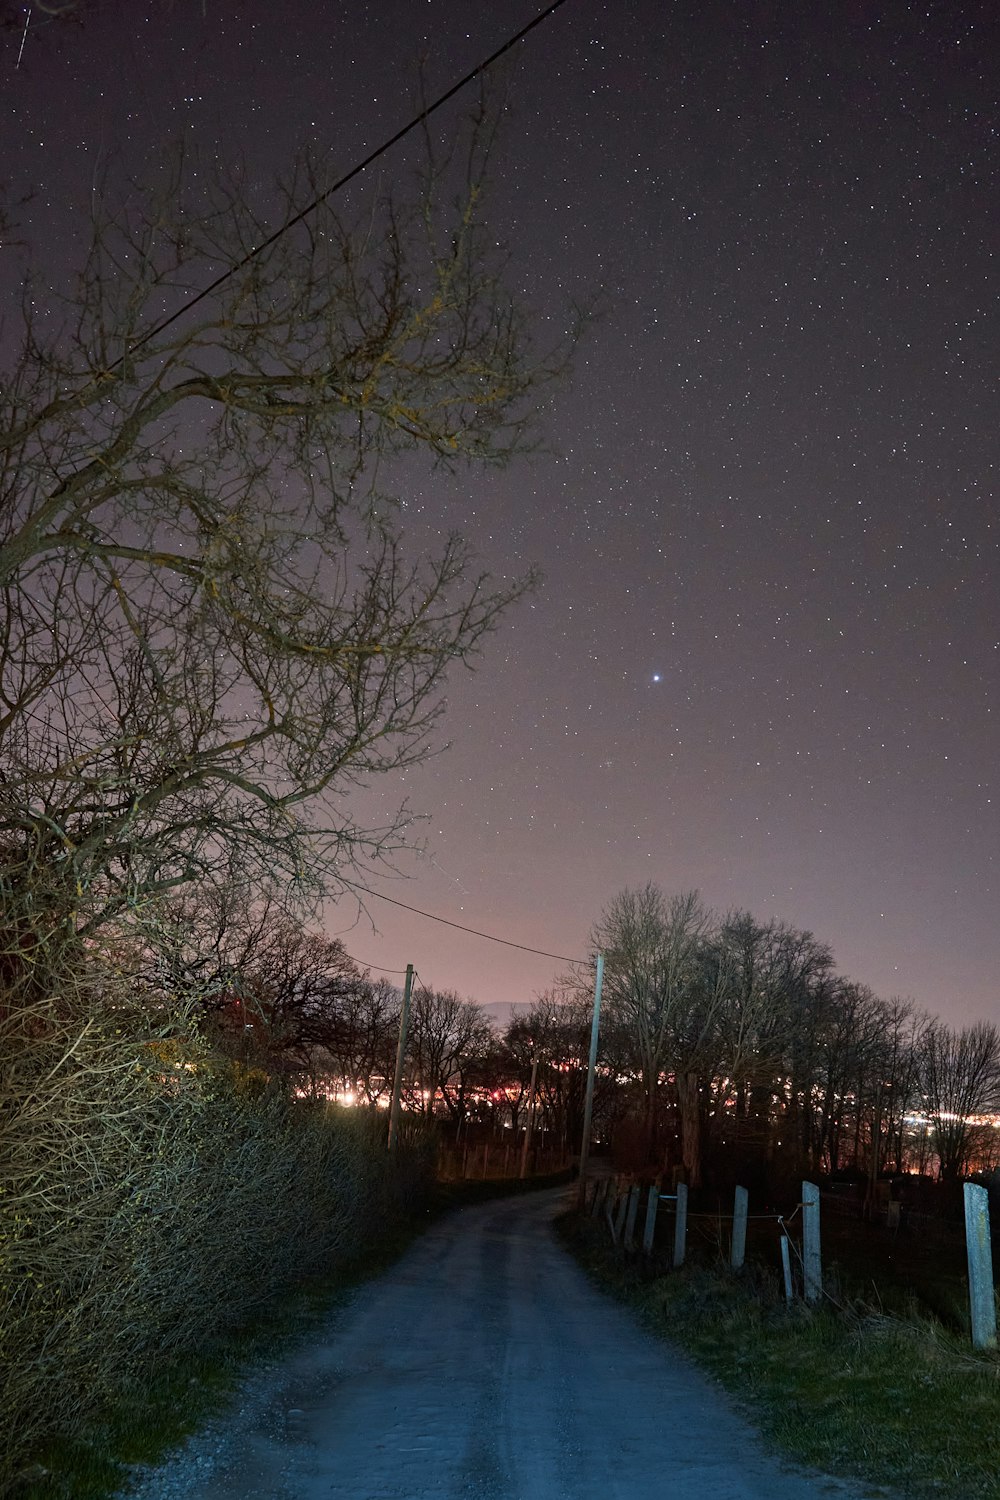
<point x="484" y="1366"/>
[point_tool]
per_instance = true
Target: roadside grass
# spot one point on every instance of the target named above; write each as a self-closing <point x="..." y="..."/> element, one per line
<point x="896" y="1399"/>
<point x="179" y="1397"/>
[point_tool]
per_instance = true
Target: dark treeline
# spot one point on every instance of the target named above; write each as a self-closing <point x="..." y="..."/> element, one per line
<point x="738" y="1042"/>
<point x="724" y="1041"/>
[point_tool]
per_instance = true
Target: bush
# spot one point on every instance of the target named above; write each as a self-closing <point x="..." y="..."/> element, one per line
<point x="153" y="1197"/>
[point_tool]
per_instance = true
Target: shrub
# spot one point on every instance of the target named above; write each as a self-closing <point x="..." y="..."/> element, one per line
<point x="153" y="1196"/>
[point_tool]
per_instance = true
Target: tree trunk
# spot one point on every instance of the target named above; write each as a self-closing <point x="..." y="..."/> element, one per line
<point x="689" y="1105"/>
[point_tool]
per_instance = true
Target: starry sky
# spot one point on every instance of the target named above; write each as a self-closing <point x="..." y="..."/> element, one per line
<point x="763" y="661"/>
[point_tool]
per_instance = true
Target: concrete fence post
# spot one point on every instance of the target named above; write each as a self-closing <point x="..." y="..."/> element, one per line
<point x="649" y="1229"/>
<point x="680" y="1225"/>
<point x="982" y="1302"/>
<point x="739" y="1247"/>
<point x="812" y="1262"/>
<point x="786" y="1268"/>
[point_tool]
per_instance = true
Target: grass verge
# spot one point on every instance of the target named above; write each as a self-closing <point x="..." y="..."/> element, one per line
<point x="899" y="1402"/>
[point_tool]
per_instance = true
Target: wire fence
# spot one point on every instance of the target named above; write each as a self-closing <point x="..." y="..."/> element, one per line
<point x="897" y="1239"/>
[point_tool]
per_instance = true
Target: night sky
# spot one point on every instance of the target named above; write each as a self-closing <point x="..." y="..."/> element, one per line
<point x="764" y="658"/>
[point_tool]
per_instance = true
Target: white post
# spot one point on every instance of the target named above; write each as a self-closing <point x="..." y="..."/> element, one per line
<point x="786" y="1266"/>
<point x="982" y="1302"/>
<point x="649" y="1230"/>
<point x="739" y="1248"/>
<point x="812" y="1264"/>
<point x="680" y="1226"/>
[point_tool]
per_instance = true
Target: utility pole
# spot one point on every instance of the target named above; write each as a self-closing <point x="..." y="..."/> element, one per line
<point x="588" y="1108"/>
<point x="397" y="1082"/>
<point x="531" y="1114"/>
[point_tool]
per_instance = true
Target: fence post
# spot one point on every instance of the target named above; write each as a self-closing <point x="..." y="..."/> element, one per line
<point x="649" y="1229"/>
<point x="982" y="1303"/>
<point x="633" y="1208"/>
<point x="786" y="1267"/>
<point x="739" y="1248"/>
<point x="812" y="1264"/>
<point x="680" y="1225"/>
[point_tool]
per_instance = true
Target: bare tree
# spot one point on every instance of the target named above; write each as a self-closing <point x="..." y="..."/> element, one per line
<point x="961" y="1080"/>
<point x="295" y="993"/>
<point x="447" y="1038"/>
<point x="211" y="631"/>
<point x="365" y="1049"/>
<point x="901" y="1056"/>
<point x="753" y="959"/>
<point x="653" y="984"/>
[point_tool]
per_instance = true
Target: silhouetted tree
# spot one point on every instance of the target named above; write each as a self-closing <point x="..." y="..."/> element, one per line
<point x="210" y="627"/>
<point x="961" y="1080"/>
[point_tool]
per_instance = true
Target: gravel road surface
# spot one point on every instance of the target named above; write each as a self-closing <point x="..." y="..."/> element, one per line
<point x="484" y="1366"/>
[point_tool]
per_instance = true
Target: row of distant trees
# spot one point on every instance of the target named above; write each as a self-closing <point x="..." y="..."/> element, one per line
<point x="291" y="1004"/>
<point x="742" y="1041"/>
<point x="723" y="1040"/>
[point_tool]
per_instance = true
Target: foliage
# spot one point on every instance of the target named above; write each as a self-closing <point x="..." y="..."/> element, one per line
<point x="153" y="1194"/>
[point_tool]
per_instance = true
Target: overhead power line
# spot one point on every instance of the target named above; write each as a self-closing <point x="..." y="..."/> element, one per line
<point x="379" y="968"/>
<point x="474" y="931"/>
<point x="355" y="171"/>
